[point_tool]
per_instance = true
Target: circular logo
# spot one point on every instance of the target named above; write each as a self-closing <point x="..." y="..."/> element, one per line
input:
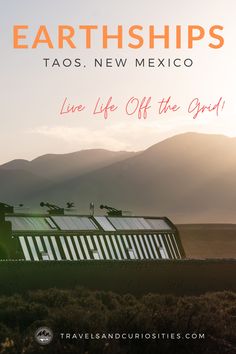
<point x="43" y="335"/>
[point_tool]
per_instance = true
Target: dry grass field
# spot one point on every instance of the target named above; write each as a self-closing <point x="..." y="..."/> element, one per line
<point x="208" y="240"/>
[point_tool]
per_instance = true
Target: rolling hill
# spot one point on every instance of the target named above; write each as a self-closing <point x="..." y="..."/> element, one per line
<point x="61" y="166"/>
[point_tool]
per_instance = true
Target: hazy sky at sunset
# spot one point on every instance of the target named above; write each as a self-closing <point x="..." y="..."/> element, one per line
<point x="31" y="95"/>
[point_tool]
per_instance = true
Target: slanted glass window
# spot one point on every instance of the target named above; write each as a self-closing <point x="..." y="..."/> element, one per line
<point x="104" y="223"/>
<point x="51" y="223"/>
<point x="129" y="223"/>
<point x="158" y="224"/>
<point x="74" y="223"/>
<point x="23" y="223"/>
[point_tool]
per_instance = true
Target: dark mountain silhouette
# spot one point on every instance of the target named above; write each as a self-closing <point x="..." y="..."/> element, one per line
<point x="61" y="166"/>
<point x="190" y="178"/>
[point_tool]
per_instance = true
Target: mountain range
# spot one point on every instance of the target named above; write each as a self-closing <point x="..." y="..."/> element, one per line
<point x="189" y="178"/>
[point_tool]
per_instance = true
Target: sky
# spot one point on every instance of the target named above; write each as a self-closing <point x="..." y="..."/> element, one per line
<point x="32" y="95"/>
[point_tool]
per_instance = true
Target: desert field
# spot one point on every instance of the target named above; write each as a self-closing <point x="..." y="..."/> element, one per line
<point x="213" y="241"/>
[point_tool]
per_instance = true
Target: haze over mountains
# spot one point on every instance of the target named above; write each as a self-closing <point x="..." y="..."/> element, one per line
<point x="190" y="178"/>
<point x="59" y="167"/>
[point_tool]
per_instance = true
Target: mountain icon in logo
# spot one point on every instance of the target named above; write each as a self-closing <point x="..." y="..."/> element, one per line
<point x="43" y="335"/>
